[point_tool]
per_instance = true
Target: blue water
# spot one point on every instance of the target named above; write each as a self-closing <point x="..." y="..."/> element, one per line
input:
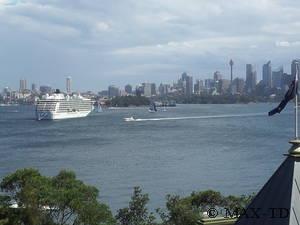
<point x="234" y="155"/>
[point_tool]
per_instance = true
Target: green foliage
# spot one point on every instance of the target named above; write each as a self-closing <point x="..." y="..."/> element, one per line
<point x="52" y="200"/>
<point x="189" y="210"/>
<point x="136" y="213"/>
<point x="125" y="101"/>
<point x="65" y="200"/>
<point x="206" y="199"/>
<point x="237" y="202"/>
<point x="179" y="211"/>
<point x="214" y="99"/>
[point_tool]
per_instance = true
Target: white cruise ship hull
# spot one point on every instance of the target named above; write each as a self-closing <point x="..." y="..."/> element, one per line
<point x="58" y="106"/>
<point x="60" y="115"/>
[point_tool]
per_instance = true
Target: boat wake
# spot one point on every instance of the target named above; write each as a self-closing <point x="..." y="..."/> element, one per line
<point x="199" y="117"/>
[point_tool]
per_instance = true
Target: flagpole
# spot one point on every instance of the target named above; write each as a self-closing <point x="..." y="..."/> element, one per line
<point x="296" y="102"/>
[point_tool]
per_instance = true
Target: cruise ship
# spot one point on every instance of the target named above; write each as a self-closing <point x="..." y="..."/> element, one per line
<point x="59" y="106"/>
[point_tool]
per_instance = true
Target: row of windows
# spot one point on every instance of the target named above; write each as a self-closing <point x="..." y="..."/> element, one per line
<point x="65" y="106"/>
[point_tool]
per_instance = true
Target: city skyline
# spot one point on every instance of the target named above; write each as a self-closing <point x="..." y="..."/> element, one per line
<point x="103" y="43"/>
<point x="258" y="73"/>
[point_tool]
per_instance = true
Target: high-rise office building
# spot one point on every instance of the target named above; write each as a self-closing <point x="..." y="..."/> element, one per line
<point x="208" y="84"/>
<point x="163" y="89"/>
<point x="113" y="91"/>
<point x="33" y="87"/>
<point x="198" y="87"/>
<point x="287" y="79"/>
<point x="23" y="85"/>
<point x="103" y="93"/>
<point x="187" y="84"/>
<point x="277" y="77"/>
<point x="223" y="86"/>
<point x="250" y="78"/>
<point x="153" y="89"/>
<point x="68" y="84"/>
<point x="294" y="65"/>
<point x="267" y="75"/>
<point x="147" y="89"/>
<point x="139" y="90"/>
<point x="238" y="85"/>
<point x="128" y="89"/>
<point x="44" y="89"/>
<point x="217" y="76"/>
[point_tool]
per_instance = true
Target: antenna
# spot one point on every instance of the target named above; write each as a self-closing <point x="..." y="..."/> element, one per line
<point x="231" y="64"/>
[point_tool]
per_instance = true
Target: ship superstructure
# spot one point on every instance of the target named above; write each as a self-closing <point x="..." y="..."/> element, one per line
<point x="60" y="106"/>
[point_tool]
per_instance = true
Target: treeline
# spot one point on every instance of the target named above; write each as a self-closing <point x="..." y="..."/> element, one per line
<point x="126" y="101"/>
<point x="221" y="99"/>
<point x="32" y="199"/>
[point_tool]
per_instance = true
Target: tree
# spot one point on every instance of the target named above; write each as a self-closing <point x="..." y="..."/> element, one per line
<point x="189" y="210"/>
<point x="125" y="101"/>
<point x="179" y="211"/>
<point x="58" y="200"/>
<point x="237" y="202"/>
<point x="136" y="213"/>
<point x="206" y="199"/>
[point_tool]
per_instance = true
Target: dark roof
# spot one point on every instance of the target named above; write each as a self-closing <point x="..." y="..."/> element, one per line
<point x="281" y="194"/>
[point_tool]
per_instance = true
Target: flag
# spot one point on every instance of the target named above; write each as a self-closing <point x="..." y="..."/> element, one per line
<point x="289" y="95"/>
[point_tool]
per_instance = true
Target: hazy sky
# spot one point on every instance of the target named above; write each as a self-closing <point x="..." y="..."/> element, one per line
<point x="132" y="41"/>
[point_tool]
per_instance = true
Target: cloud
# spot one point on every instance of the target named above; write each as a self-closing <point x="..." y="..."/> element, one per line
<point x="153" y="37"/>
<point x="287" y="44"/>
<point x="46" y="30"/>
<point x="50" y="21"/>
<point x="102" y="26"/>
<point x="217" y="45"/>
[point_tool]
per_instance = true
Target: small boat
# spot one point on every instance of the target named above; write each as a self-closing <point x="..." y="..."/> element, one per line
<point x="129" y="119"/>
<point x="164" y="109"/>
<point x="152" y="108"/>
<point x="99" y="108"/>
<point x="8" y="104"/>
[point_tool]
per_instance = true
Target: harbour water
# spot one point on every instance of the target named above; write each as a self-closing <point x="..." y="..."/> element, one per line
<point x="230" y="148"/>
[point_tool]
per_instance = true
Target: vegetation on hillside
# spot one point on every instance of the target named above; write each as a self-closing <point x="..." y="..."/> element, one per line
<point x="178" y="210"/>
<point x="32" y="199"/>
<point x="126" y="101"/>
<point x="58" y="200"/>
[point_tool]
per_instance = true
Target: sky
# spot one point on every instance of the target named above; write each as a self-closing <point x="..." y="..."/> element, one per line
<point x="99" y="43"/>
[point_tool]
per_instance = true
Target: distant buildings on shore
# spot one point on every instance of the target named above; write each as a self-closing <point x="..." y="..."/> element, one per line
<point x="273" y="81"/>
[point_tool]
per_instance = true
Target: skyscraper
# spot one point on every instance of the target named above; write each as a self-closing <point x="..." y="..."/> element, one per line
<point x="208" y="85"/>
<point x="198" y="87"/>
<point x="44" y="89"/>
<point x="147" y="89"/>
<point x="128" y="89"/>
<point x="33" y="87"/>
<point x="250" y="78"/>
<point x="267" y="75"/>
<point x="223" y="86"/>
<point x="163" y="89"/>
<point x="277" y="78"/>
<point x="185" y="83"/>
<point x="217" y="76"/>
<point x="23" y="85"/>
<point x="113" y="91"/>
<point x="189" y="86"/>
<point x="287" y="79"/>
<point x="294" y="67"/>
<point x="153" y="89"/>
<point x="238" y="85"/>
<point x="68" y="85"/>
